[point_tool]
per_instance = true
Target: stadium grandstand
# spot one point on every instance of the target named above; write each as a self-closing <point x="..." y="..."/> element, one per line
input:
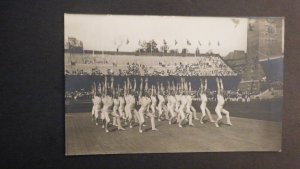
<point x="125" y="65"/>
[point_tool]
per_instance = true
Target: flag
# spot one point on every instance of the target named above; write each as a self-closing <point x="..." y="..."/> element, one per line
<point x="127" y="41"/>
<point x="188" y="42"/>
<point x="218" y="43"/>
<point x="235" y="22"/>
<point x="199" y="43"/>
<point x="73" y="42"/>
<point x="175" y="42"/>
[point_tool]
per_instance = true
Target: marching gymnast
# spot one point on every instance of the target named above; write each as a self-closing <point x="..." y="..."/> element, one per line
<point x="97" y="101"/>
<point x="178" y="102"/>
<point x="115" y="113"/>
<point x="219" y="108"/>
<point x="130" y="106"/>
<point x="107" y="104"/>
<point x="189" y="101"/>
<point x="171" y="102"/>
<point x="145" y="103"/>
<point x="122" y="101"/>
<point x="183" y="104"/>
<point x="161" y="100"/>
<point x="117" y="104"/>
<point x="153" y="100"/>
<point x="203" y="107"/>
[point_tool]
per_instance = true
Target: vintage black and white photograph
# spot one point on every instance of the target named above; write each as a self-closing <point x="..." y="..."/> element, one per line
<point x="172" y="84"/>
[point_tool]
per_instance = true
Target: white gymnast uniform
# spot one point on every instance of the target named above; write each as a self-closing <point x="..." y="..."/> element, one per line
<point x="161" y="102"/>
<point x="107" y="106"/>
<point x="182" y="106"/>
<point x="178" y="101"/>
<point x="145" y="103"/>
<point x="220" y="103"/>
<point x="121" y="106"/>
<point x="97" y="106"/>
<point x="189" y="104"/>
<point x="153" y="104"/>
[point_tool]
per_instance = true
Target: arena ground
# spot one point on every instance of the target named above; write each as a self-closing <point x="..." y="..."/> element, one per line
<point x="251" y="131"/>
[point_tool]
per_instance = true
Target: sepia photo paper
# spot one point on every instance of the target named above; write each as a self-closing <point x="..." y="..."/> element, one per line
<point x="172" y="84"/>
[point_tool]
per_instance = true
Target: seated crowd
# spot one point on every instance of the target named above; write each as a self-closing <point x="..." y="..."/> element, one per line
<point x="209" y="65"/>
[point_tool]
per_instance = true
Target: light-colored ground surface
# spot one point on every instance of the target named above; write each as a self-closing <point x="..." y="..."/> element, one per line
<point x="83" y="137"/>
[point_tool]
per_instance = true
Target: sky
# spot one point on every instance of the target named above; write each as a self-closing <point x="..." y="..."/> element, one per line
<point x="108" y="32"/>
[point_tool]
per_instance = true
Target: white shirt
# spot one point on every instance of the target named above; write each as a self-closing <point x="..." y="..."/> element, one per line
<point x="221" y="100"/>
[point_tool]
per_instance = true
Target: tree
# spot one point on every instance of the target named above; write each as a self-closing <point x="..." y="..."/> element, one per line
<point x="151" y="45"/>
<point x="148" y="47"/>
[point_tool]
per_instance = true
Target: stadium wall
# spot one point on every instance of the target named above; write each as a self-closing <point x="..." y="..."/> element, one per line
<point x="273" y="69"/>
<point x="78" y="82"/>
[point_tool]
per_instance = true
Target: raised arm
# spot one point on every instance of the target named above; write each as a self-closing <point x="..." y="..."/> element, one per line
<point x="190" y="84"/>
<point x="201" y="86"/>
<point x="93" y="89"/>
<point x="105" y="86"/>
<point x="205" y="85"/>
<point x="112" y="83"/>
<point x="169" y="88"/>
<point x="182" y="84"/>
<point x="141" y="87"/>
<point x="221" y="85"/>
<point x="134" y="84"/>
<point x="152" y="90"/>
<point x="146" y="84"/>
<point x="173" y="85"/>
<point x="161" y="87"/>
<point x="113" y="93"/>
<point x="105" y="81"/>
<point x="141" y="84"/>
<point x="125" y="88"/>
<point x="186" y="88"/>
<point x="218" y="85"/>
<point x="128" y="83"/>
<point x="99" y="88"/>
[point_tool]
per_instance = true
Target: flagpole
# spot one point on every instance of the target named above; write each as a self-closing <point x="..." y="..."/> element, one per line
<point x="163" y="47"/>
<point x="139" y="43"/>
<point x="175" y="48"/>
<point x="186" y="49"/>
<point x="175" y="51"/>
<point x="151" y="47"/>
